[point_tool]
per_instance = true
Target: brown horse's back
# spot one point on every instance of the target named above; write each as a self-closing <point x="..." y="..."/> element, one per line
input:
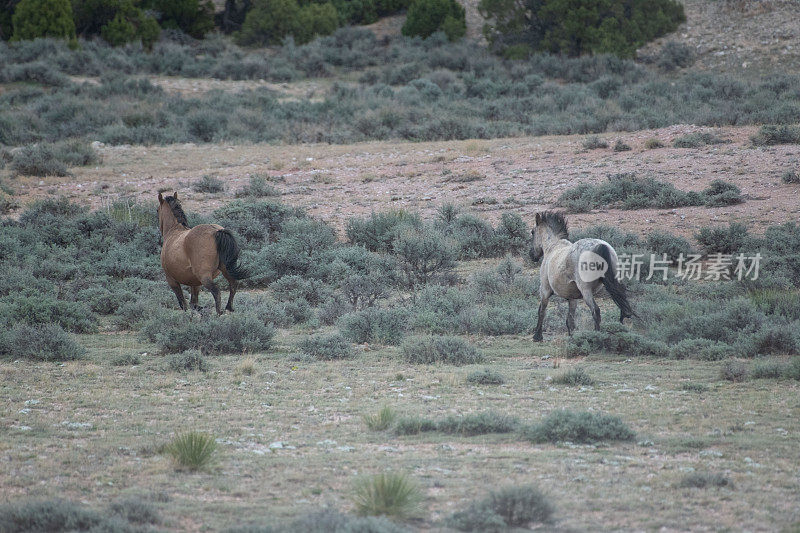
<point x="190" y="256"/>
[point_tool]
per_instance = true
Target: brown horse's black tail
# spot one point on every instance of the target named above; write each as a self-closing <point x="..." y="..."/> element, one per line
<point x="614" y="288"/>
<point x="228" y="251"/>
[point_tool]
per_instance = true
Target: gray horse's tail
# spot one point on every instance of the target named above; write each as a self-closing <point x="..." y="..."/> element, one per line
<point x="228" y="251"/>
<point x="614" y="288"/>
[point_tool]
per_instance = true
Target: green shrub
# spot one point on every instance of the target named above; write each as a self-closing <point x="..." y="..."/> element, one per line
<point x="733" y="371"/>
<point x="665" y="243"/>
<point x="620" y="146"/>
<point x="577" y="376"/>
<point x="414" y="425"/>
<point x="696" y="140"/>
<point x="422" y="256"/>
<point x="193" y="17"/>
<point x="720" y="193"/>
<point x="46" y="342"/>
<point x="440" y="349"/>
<point x="426" y="17"/>
<point x="382" y="420"/>
<point x="768" y="370"/>
<point x="131" y="24"/>
<point x="326" y="347"/>
<point x="192" y="450"/>
<point x="477" y="424"/>
<point x="578" y="427"/>
<point x="674" y="55"/>
<point x="386" y="494"/>
<point x="474" y="237"/>
<point x="700" y="349"/>
<point x="613" y="338"/>
<point x="43" y="18"/>
<point x="257" y="187"/>
<point x="209" y="184"/>
<point x="373" y="325"/>
<point x="792" y="369"/>
<point x="653" y="143"/>
<point x="236" y="333"/>
<point x="722" y="240"/>
<point x="61" y="516"/>
<point x="38" y="160"/>
<point x="576" y="28"/>
<point x="271" y="21"/>
<point x="771" y="135"/>
<point x="508" y="507"/>
<point x="593" y="142"/>
<point x="135" y="511"/>
<point x="486" y="376"/>
<point x="126" y="359"/>
<point x="790" y="176"/>
<point x="512" y="234"/>
<point x="379" y="232"/>
<point x="694" y="387"/>
<point x="189" y="360"/>
<point x="702" y="480"/>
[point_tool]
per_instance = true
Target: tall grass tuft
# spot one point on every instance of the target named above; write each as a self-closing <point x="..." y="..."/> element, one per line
<point x="382" y="420"/>
<point x="192" y="450"/>
<point x="577" y="376"/>
<point x="387" y="494"/>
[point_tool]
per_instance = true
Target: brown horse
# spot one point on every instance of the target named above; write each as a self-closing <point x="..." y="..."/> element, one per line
<point x="195" y="256"/>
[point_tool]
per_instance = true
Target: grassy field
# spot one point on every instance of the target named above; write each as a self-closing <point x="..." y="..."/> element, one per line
<point x="89" y="431"/>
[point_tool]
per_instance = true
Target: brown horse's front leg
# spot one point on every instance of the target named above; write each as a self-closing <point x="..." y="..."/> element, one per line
<point x="209" y="284"/>
<point x="176" y="288"/>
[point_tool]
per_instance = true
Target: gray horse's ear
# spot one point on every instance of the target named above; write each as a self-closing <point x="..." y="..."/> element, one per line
<point x="537" y="219"/>
<point x="160" y="198"/>
<point x="175" y="195"/>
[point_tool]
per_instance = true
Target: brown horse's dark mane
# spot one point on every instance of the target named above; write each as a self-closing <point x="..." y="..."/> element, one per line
<point x="556" y="222"/>
<point x="177" y="210"/>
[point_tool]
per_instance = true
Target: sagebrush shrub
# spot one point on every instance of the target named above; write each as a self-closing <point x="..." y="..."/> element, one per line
<point x="208" y="184"/>
<point x="386" y="494"/>
<point x="593" y="142"/>
<point x="188" y="360"/>
<point x="791" y="176"/>
<point x="477" y="424"/>
<point x="696" y="140"/>
<point x="326" y="347"/>
<point x="508" y="507"/>
<point x="422" y="255"/>
<point x="235" y="333"/>
<point x="701" y="480"/>
<point x="38" y="160"/>
<point x="782" y="134"/>
<point x="257" y="187"/>
<point x="59" y="516"/>
<point x="45" y="342"/>
<point x="381" y="326"/>
<point x="427" y="349"/>
<point x="733" y="371"/>
<point x="135" y="510"/>
<point x="378" y="232"/>
<point x="665" y="243"/>
<point x="578" y="427"/>
<point x="486" y="376"/>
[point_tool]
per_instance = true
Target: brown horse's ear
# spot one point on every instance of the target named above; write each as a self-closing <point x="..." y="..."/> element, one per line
<point x="537" y="219"/>
<point x="175" y="195"/>
<point x="160" y="199"/>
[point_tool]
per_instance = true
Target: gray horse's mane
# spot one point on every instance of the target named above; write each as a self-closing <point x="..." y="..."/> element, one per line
<point x="556" y="222"/>
<point x="177" y="210"/>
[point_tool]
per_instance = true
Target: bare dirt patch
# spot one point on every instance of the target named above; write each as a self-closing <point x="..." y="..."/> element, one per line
<point x="522" y="175"/>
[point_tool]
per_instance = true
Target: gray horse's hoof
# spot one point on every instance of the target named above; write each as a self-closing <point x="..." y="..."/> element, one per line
<point x="538" y="337"/>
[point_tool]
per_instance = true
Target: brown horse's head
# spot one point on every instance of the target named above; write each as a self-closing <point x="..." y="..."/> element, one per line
<point x="544" y="223"/>
<point x="170" y="213"/>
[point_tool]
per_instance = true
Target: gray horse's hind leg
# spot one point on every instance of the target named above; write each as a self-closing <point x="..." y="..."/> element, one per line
<point x="588" y="297"/>
<point x="537" y="335"/>
<point x="573" y="305"/>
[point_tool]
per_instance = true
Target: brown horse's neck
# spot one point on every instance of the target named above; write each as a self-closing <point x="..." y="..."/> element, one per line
<point x="549" y="240"/>
<point x="168" y="223"/>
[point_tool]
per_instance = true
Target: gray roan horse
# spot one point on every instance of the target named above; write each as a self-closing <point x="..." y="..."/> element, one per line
<point x="574" y="270"/>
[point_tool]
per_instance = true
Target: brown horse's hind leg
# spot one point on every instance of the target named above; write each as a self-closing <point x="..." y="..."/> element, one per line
<point x="195" y="298"/>
<point x="573" y="305"/>
<point x="233" y="284"/>
<point x="209" y="284"/>
<point x="176" y="288"/>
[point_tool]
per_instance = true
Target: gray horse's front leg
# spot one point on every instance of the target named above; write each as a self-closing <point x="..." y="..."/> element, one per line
<point x="588" y="297"/>
<point x="573" y="305"/>
<point x="537" y="335"/>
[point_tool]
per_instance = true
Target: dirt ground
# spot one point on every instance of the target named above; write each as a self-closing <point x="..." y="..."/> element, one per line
<point x="521" y="175"/>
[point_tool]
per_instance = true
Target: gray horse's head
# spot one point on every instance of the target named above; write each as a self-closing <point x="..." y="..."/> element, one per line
<point x="543" y="223"/>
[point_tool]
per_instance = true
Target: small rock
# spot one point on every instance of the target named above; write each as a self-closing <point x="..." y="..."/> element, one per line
<point x="276" y="445"/>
